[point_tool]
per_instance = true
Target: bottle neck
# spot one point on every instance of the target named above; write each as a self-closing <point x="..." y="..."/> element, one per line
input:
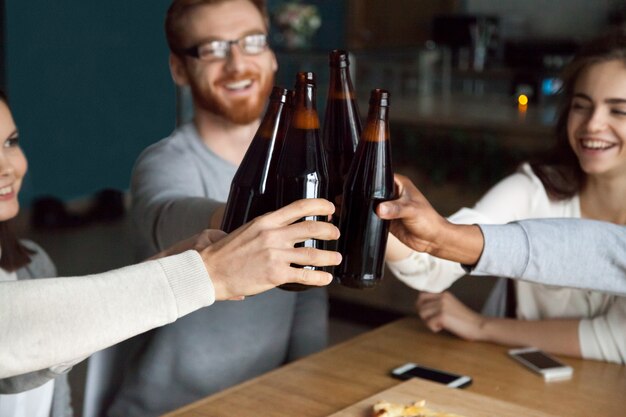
<point x="305" y="97"/>
<point x="273" y="115"/>
<point x="305" y="108"/>
<point x="341" y="84"/>
<point x="377" y="126"/>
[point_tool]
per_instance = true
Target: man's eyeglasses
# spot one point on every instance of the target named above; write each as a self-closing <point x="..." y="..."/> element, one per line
<point x="219" y="49"/>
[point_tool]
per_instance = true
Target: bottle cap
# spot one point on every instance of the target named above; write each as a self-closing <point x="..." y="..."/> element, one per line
<point x="339" y="58"/>
<point x="281" y="94"/>
<point x="381" y="96"/>
<point x="305" y="77"/>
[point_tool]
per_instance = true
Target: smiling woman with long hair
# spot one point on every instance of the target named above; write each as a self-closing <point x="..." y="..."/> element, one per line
<point x="46" y="392"/>
<point x="585" y="177"/>
<point x="14" y="254"/>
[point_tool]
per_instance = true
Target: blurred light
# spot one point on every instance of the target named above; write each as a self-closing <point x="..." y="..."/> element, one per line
<point x="522" y="99"/>
<point x="551" y="86"/>
<point x="521" y="110"/>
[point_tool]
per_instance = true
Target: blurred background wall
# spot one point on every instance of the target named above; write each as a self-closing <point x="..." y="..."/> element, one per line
<point x="90" y="87"/>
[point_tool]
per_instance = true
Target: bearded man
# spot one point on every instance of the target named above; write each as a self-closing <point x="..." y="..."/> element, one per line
<point x="179" y="186"/>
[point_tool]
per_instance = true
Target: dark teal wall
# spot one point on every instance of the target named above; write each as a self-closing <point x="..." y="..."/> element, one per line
<point x="89" y="87"/>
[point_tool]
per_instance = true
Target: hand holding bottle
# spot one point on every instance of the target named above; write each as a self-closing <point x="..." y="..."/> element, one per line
<point x="369" y="182"/>
<point x="418" y="225"/>
<point x="259" y="255"/>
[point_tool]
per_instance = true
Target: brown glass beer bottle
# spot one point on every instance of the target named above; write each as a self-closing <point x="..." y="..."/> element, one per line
<point x="370" y="181"/>
<point x="302" y="169"/>
<point x="253" y="189"/>
<point x="342" y="126"/>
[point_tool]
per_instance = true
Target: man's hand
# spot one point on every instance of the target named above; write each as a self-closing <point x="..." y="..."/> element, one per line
<point x="258" y="256"/>
<point x="418" y="225"/>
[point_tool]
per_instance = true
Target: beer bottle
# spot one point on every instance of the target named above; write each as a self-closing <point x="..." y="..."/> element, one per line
<point x="253" y="189"/>
<point x="302" y="169"/>
<point x="370" y="181"/>
<point x="342" y="126"/>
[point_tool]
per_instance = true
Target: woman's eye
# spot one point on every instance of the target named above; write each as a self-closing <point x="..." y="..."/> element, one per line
<point x="619" y="112"/>
<point x="12" y="142"/>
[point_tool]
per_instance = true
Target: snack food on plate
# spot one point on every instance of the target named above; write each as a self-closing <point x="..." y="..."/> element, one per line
<point x="417" y="409"/>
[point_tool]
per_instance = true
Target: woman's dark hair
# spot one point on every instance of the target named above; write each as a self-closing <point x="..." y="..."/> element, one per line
<point x="14" y="254"/>
<point x="560" y="170"/>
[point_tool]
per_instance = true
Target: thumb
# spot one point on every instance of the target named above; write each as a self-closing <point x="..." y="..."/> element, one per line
<point x="388" y="210"/>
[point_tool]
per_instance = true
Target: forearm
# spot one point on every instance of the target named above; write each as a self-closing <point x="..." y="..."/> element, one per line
<point x="57" y="320"/>
<point x="396" y="250"/>
<point x="566" y="252"/>
<point x="556" y="336"/>
<point x="181" y="218"/>
<point x="458" y="243"/>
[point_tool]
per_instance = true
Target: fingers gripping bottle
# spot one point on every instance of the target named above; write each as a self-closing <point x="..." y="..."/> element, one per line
<point x="302" y="169"/>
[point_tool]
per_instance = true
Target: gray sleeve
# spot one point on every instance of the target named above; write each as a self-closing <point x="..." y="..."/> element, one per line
<point x="576" y="253"/>
<point x="168" y="203"/>
<point x="309" y="330"/>
<point x="40" y="266"/>
<point x="26" y="382"/>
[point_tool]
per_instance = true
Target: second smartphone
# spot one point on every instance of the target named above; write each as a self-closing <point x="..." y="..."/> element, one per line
<point x="413" y="370"/>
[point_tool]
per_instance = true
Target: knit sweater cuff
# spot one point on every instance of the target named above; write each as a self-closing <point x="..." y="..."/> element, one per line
<point x="506" y="251"/>
<point x="190" y="282"/>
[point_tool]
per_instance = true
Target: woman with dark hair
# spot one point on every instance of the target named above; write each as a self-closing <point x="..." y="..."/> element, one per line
<point x="584" y="177"/>
<point x="45" y="392"/>
<point x="14" y="254"/>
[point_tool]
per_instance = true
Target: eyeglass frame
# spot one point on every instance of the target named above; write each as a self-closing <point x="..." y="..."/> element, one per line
<point x="194" y="51"/>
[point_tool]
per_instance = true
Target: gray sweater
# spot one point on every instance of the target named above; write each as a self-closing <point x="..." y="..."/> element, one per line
<point x="575" y="253"/>
<point x="177" y="183"/>
<point x="41" y="267"/>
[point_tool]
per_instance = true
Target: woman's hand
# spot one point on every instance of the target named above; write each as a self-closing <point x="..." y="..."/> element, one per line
<point x="443" y="311"/>
<point x="258" y="256"/>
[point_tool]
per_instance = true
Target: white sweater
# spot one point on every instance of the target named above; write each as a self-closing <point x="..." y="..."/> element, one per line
<point x="46" y="322"/>
<point x="602" y="333"/>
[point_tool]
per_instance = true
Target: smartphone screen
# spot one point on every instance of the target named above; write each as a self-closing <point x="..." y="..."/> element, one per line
<point x="540" y="360"/>
<point x="430" y="374"/>
<point x="411" y="370"/>
<point x="542" y="363"/>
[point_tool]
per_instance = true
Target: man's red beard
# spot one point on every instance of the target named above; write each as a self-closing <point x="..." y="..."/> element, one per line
<point x="243" y="111"/>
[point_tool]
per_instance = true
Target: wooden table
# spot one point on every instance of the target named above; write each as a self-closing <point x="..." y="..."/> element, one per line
<point x="329" y="381"/>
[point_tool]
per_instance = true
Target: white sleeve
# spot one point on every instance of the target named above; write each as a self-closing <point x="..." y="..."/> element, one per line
<point x="52" y="321"/>
<point x="604" y="337"/>
<point x="512" y="198"/>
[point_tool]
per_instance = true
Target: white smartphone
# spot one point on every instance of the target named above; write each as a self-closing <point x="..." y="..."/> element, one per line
<point x="542" y="363"/>
<point x="413" y="370"/>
